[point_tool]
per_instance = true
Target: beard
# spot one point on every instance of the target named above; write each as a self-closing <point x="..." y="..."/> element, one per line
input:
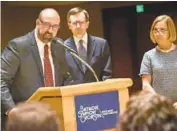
<point x="45" y="36"/>
<point x="48" y="35"/>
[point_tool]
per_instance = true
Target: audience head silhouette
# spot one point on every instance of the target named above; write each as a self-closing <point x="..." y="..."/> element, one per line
<point x="32" y="116"/>
<point x="148" y="112"/>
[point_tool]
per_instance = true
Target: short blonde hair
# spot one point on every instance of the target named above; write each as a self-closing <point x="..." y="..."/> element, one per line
<point x="170" y="26"/>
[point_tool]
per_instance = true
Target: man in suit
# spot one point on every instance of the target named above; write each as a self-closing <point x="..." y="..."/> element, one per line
<point x="94" y="50"/>
<point x="32" y="61"/>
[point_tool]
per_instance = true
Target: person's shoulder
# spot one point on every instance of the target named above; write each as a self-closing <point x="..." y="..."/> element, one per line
<point x="67" y="40"/>
<point x="151" y="51"/>
<point x="98" y="38"/>
<point x="100" y="41"/>
<point x="21" y="39"/>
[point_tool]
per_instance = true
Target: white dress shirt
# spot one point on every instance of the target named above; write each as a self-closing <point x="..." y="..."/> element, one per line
<point x="40" y="45"/>
<point x="85" y="41"/>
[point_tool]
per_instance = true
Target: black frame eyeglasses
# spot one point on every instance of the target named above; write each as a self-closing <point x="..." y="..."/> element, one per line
<point x="47" y="25"/>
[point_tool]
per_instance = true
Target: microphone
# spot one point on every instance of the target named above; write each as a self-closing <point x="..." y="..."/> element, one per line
<point x="60" y="41"/>
<point x="75" y="54"/>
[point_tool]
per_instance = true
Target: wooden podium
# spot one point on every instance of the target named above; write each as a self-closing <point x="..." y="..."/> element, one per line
<point x="63" y="100"/>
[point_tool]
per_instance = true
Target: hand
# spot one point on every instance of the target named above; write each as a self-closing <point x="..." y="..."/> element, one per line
<point x="11" y="111"/>
<point x="175" y="105"/>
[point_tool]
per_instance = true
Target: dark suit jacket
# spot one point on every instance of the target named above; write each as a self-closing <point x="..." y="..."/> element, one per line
<point x="98" y="57"/>
<point x="21" y="69"/>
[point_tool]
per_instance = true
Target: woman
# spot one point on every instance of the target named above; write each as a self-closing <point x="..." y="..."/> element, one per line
<point x="159" y="65"/>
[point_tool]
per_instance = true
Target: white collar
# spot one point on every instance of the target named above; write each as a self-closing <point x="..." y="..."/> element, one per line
<point x="84" y="38"/>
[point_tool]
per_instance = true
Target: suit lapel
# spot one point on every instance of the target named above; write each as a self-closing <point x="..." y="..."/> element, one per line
<point x="90" y="49"/>
<point x="72" y="44"/>
<point x="55" y="63"/>
<point x="36" y="55"/>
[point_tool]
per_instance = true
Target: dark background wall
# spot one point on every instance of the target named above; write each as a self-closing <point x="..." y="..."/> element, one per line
<point x="18" y="18"/>
<point x="126" y="31"/>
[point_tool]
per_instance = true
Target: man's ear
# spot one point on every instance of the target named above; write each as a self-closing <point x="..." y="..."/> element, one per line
<point x="88" y="22"/>
<point x="37" y="22"/>
<point x="69" y="25"/>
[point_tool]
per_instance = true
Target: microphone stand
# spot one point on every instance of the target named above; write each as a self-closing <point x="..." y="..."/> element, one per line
<point x="75" y="54"/>
<point x="85" y="63"/>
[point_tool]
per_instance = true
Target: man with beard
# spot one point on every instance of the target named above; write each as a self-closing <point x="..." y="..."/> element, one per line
<point x="93" y="50"/>
<point x="32" y="61"/>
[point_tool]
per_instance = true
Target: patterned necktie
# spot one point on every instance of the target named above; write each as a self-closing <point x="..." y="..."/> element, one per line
<point x="82" y="53"/>
<point x="47" y="68"/>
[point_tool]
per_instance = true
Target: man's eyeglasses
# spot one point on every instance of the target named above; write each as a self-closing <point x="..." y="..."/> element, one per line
<point x="47" y="25"/>
<point x="159" y="31"/>
<point x="81" y="23"/>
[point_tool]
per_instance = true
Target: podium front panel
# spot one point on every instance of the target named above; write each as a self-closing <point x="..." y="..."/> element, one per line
<point x="96" y="112"/>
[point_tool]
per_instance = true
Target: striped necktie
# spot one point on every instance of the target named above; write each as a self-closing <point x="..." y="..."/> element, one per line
<point x="82" y="53"/>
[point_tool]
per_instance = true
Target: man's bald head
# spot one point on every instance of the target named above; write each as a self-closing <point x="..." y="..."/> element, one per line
<point x="48" y="12"/>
